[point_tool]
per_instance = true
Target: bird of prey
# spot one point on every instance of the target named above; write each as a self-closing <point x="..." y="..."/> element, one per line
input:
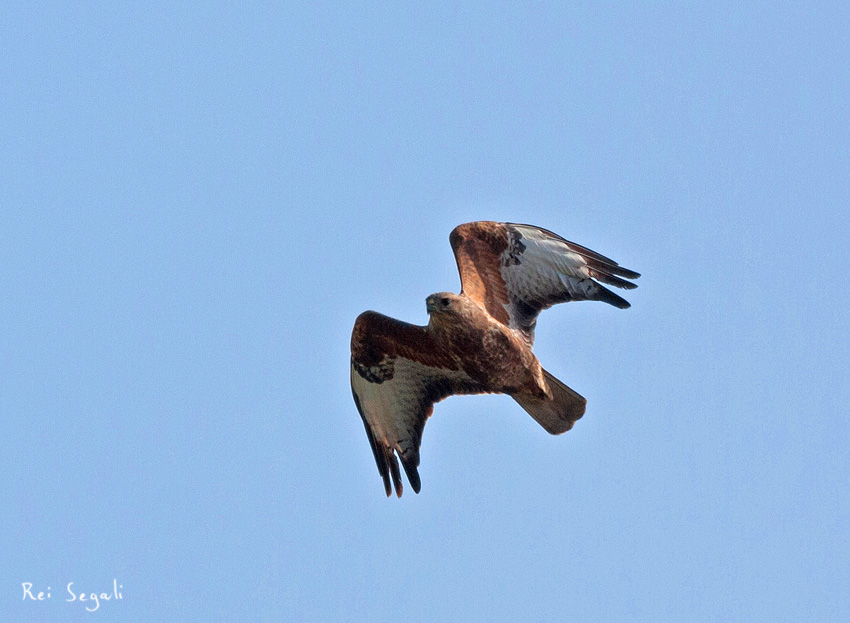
<point x="475" y="342"/>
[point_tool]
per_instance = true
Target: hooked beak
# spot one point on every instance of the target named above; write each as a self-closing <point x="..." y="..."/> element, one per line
<point x="430" y="304"/>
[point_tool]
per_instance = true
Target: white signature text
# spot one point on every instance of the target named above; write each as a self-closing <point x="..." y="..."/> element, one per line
<point x="91" y="600"/>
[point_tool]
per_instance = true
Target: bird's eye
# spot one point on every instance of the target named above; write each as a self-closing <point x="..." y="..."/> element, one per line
<point x="444" y="302"/>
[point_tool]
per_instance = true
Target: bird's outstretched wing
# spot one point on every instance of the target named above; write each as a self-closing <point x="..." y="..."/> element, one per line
<point x="398" y="372"/>
<point x="517" y="271"/>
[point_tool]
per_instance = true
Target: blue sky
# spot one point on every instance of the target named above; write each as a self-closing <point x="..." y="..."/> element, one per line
<point x="199" y="198"/>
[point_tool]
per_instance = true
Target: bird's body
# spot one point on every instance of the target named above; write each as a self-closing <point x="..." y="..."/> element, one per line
<point x="473" y="339"/>
<point x="478" y="341"/>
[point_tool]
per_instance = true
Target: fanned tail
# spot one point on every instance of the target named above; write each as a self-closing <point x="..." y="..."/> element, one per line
<point x="558" y="414"/>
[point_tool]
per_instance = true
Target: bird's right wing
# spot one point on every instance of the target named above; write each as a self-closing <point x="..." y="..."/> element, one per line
<point x="398" y="372"/>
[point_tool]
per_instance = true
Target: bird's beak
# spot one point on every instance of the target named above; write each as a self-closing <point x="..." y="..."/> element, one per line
<point x="430" y="304"/>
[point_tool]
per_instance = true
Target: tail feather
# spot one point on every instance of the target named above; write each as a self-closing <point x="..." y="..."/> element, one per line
<point x="558" y="414"/>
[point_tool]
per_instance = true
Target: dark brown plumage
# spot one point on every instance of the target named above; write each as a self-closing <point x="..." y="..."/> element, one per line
<point x="478" y="341"/>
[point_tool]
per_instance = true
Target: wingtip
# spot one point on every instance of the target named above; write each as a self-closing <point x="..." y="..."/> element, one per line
<point x="606" y="296"/>
<point x="409" y="463"/>
<point x="629" y="274"/>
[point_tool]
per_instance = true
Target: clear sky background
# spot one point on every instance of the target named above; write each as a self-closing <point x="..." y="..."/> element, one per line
<point x="199" y="198"/>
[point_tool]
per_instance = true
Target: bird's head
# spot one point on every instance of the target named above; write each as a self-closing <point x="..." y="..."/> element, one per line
<point x="443" y="304"/>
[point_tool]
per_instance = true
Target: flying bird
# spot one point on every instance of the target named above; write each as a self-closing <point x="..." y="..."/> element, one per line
<point x="475" y="342"/>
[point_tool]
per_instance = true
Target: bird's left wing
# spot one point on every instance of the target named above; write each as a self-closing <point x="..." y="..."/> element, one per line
<point x="517" y="271"/>
<point x="398" y="372"/>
